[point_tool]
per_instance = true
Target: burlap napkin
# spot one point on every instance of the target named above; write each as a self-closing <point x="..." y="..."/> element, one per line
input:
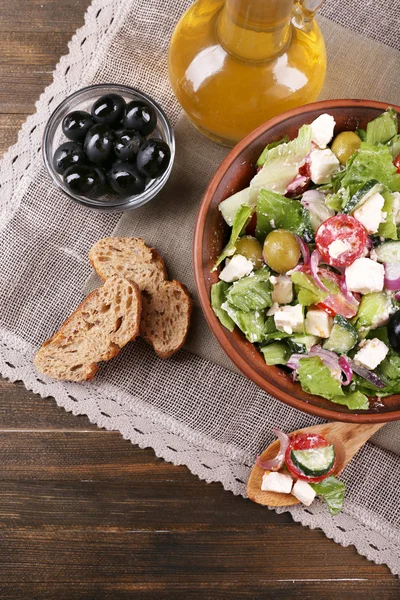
<point x="191" y="409"/>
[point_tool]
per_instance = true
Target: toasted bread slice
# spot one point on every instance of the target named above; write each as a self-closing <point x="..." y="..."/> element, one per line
<point x="167" y="305"/>
<point x="101" y="325"/>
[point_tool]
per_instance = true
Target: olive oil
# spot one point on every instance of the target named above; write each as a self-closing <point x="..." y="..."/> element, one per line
<point x="234" y="64"/>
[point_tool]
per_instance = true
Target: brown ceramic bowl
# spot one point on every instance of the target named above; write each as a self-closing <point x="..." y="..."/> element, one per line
<point x="233" y="175"/>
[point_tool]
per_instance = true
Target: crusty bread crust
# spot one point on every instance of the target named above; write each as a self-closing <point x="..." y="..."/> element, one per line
<point x="96" y="331"/>
<point x="166" y="305"/>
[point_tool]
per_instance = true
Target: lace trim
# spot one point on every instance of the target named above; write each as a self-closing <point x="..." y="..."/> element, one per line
<point x="110" y="412"/>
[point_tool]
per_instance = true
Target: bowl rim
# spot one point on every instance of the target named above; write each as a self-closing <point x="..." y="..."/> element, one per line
<point x="123" y="204"/>
<point x="214" y="324"/>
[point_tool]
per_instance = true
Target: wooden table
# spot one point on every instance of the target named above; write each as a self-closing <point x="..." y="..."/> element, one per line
<point x="86" y="515"/>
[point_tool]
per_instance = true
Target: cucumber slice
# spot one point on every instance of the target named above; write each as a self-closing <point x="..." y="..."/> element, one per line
<point x="343" y="336"/>
<point x="369" y="189"/>
<point x="314" y="462"/>
<point x="276" y="354"/>
<point x="388" y="252"/>
<point x="302" y="343"/>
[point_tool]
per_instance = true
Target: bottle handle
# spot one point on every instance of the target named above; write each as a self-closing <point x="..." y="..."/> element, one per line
<point x="304" y="12"/>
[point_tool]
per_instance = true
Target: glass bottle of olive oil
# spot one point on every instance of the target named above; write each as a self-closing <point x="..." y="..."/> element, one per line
<point x="234" y="64"/>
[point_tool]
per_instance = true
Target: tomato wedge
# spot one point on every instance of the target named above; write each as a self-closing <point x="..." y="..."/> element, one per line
<point x="306" y="441"/>
<point x="341" y="240"/>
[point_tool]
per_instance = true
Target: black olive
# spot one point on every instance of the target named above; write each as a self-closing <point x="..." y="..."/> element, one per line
<point x="82" y="179"/>
<point x="127" y="144"/>
<point x="99" y="143"/>
<point x="76" y="124"/>
<point x="153" y="158"/>
<point x="393" y="330"/>
<point x="108" y="109"/>
<point x="68" y="154"/>
<point x="125" y="179"/>
<point x="140" y="116"/>
<point x="102" y="187"/>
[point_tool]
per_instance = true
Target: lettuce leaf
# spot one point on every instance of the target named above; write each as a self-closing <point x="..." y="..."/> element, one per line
<point x="241" y="218"/>
<point x="316" y="378"/>
<point x="394" y="146"/>
<point x="252" y="292"/>
<point x="263" y="156"/>
<point x="371" y="162"/>
<point x="383" y="128"/>
<point x="282" y="163"/>
<point x="277" y="212"/>
<point x="387" y="228"/>
<point x="252" y="324"/>
<point x="332" y="491"/>
<point x="218" y="297"/>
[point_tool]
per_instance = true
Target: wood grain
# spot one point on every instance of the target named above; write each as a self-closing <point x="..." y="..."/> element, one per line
<point x="85" y="515"/>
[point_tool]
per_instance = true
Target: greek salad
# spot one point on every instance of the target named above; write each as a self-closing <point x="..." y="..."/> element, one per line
<point x="304" y="467"/>
<point x="311" y="271"/>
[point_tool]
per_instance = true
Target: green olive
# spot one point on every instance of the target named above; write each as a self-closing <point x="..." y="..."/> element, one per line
<point x="249" y="247"/>
<point x="344" y="145"/>
<point x="281" y="250"/>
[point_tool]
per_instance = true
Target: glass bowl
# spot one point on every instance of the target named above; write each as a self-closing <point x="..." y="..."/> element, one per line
<point x="83" y="100"/>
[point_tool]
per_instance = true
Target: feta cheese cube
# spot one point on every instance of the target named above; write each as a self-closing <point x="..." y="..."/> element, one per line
<point x="273" y="481"/>
<point x="283" y="289"/>
<point x="322" y="130"/>
<point x="289" y="319"/>
<point x="273" y="309"/>
<point x="396" y="207"/>
<point x="338" y="247"/>
<point x="365" y="276"/>
<point x="303" y="492"/>
<point x="323" y="164"/>
<point x="238" y="267"/>
<point x="370" y="213"/>
<point x="371" y="353"/>
<point x="318" y="323"/>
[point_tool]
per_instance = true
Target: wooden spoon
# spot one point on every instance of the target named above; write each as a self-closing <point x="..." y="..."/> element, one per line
<point x="347" y="438"/>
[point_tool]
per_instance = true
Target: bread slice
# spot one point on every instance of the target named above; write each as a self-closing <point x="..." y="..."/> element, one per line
<point x="167" y="305"/>
<point x="101" y="325"/>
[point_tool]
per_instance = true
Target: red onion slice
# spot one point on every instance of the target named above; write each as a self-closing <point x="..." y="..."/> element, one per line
<point x="397" y="296"/>
<point x="305" y="252"/>
<point x="369" y="245"/>
<point x="366" y="374"/>
<point x="392" y="276"/>
<point x="299" y="184"/>
<point x="347" y="370"/>
<point x="314" y="263"/>
<point x="274" y="464"/>
<point x="348" y="295"/>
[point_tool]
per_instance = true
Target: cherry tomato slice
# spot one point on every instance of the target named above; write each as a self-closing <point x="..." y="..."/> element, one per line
<point x="251" y="226"/>
<point x="328" y="309"/>
<point x="305" y="441"/>
<point x="346" y="229"/>
<point x="396" y="163"/>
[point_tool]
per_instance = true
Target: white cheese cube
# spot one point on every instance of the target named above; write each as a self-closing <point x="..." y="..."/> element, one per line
<point x="396" y="207"/>
<point x="322" y="130"/>
<point x="303" y="492"/>
<point x="337" y="248"/>
<point x="318" y="323"/>
<point x="273" y="481"/>
<point x="273" y="309"/>
<point x="370" y="212"/>
<point x="365" y="276"/>
<point x="238" y="267"/>
<point x="323" y="164"/>
<point x="289" y="319"/>
<point x="371" y="353"/>
<point x="283" y="289"/>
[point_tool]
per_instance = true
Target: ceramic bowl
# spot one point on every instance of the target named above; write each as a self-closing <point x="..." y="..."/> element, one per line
<point x="233" y="175"/>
